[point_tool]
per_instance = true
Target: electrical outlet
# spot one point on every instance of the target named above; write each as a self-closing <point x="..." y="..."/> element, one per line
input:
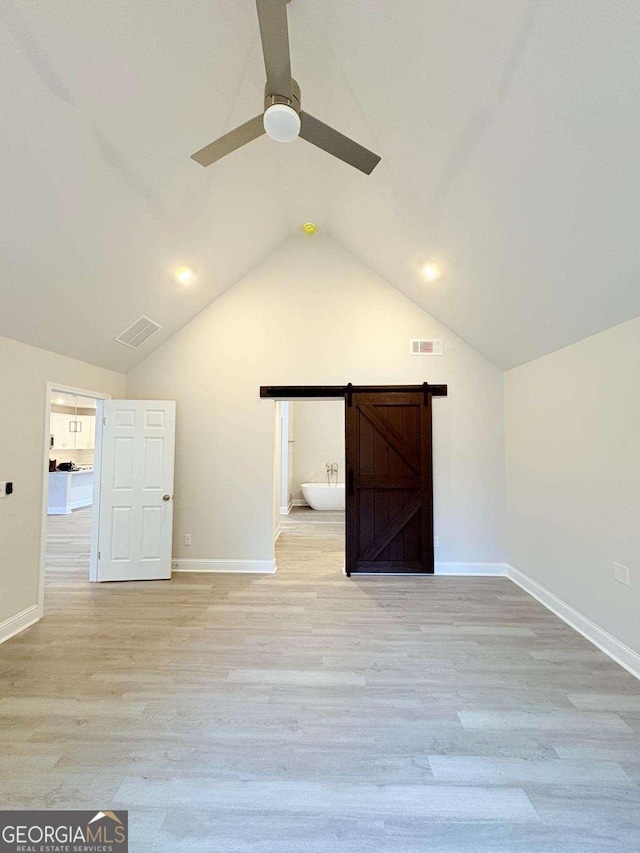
<point x="187" y="539"/>
<point x="436" y="541"/>
<point x="621" y="574"/>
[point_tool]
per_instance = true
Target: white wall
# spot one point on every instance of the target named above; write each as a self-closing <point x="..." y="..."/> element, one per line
<point x="573" y="475"/>
<point x="24" y="373"/>
<point x="319" y="438"/>
<point x="312" y="314"/>
<point x="277" y="467"/>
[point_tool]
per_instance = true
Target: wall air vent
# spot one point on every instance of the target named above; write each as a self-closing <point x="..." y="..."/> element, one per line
<point x="137" y="333"/>
<point x="422" y="346"/>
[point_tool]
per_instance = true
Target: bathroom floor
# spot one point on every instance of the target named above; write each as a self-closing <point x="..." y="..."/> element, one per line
<point x="309" y="534"/>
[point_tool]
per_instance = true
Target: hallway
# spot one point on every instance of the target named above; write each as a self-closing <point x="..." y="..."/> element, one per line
<point x="68" y="547"/>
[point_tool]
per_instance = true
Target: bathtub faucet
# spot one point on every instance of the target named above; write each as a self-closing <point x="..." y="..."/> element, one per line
<point x="332" y="472"/>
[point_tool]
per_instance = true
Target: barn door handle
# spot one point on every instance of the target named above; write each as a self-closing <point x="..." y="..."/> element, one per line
<point x="352" y="481"/>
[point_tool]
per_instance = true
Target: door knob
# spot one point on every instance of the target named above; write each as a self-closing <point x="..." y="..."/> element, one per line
<point x="166" y="497"/>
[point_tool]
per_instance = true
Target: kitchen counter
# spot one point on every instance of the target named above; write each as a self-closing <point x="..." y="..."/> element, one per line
<point x="69" y="490"/>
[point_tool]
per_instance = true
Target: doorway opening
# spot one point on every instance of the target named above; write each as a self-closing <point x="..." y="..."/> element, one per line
<point x="71" y="468"/>
<point x="309" y="482"/>
<point x="389" y="462"/>
<point x="120" y="526"/>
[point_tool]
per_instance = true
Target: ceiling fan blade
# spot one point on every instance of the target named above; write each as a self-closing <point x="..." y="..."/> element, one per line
<point x="336" y="143"/>
<point x="248" y="131"/>
<point x="274" y="32"/>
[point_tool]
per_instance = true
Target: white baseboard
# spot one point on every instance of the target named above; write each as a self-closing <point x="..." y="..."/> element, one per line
<point x="605" y="641"/>
<point x="488" y="570"/>
<point x="240" y="566"/>
<point x="14" y="624"/>
<point x="285" y="510"/>
<point x="277" y="533"/>
<point x="299" y="502"/>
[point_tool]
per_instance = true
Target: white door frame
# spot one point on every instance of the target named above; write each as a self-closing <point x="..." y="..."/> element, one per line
<point x="285" y="414"/>
<point x="79" y="392"/>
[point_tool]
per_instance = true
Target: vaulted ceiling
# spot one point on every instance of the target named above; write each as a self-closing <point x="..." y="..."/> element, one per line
<point x="508" y="129"/>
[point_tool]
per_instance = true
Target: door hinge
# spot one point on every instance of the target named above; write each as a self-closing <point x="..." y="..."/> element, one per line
<point x="104" y="421"/>
<point x="99" y="555"/>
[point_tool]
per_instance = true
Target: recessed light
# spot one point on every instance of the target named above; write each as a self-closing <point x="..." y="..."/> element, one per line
<point x="185" y="275"/>
<point x="60" y="401"/>
<point x="309" y="228"/>
<point x="431" y="271"/>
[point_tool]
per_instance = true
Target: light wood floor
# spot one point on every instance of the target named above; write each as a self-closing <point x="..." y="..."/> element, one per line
<point x="311" y="712"/>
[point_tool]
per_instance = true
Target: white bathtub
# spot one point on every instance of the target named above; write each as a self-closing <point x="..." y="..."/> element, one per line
<point x="323" y="496"/>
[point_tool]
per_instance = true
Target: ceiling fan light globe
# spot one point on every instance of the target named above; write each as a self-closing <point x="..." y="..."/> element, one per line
<point x="281" y="122"/>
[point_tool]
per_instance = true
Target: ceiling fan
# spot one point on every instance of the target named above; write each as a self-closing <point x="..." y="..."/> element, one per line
<point x="283" y="119"/>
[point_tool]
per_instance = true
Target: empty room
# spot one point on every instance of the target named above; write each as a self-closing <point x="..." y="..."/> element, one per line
<point x="320" y="426"/>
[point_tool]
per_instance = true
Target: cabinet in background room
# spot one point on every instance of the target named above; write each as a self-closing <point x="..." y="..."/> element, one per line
<point x="86" y="438"/>
<point x="64" y="439"/>
<point x="61" y="438"/>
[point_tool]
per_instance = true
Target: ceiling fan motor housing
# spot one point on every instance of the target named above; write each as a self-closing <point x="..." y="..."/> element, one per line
<point x="281" y="118"/>
<point x="294" y="101"/>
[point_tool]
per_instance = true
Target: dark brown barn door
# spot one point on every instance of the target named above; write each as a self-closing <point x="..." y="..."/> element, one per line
<point x="389" y="483"/>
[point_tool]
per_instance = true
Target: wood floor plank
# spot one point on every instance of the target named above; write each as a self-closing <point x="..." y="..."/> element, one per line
<point x="590" y="723"/>
<point x="604" y="702"/>
<point x="334" y="799"/>
<point x="475" y="770"/>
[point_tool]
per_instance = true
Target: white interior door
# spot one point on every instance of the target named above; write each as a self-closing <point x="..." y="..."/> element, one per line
<point x="136" y="497"/>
